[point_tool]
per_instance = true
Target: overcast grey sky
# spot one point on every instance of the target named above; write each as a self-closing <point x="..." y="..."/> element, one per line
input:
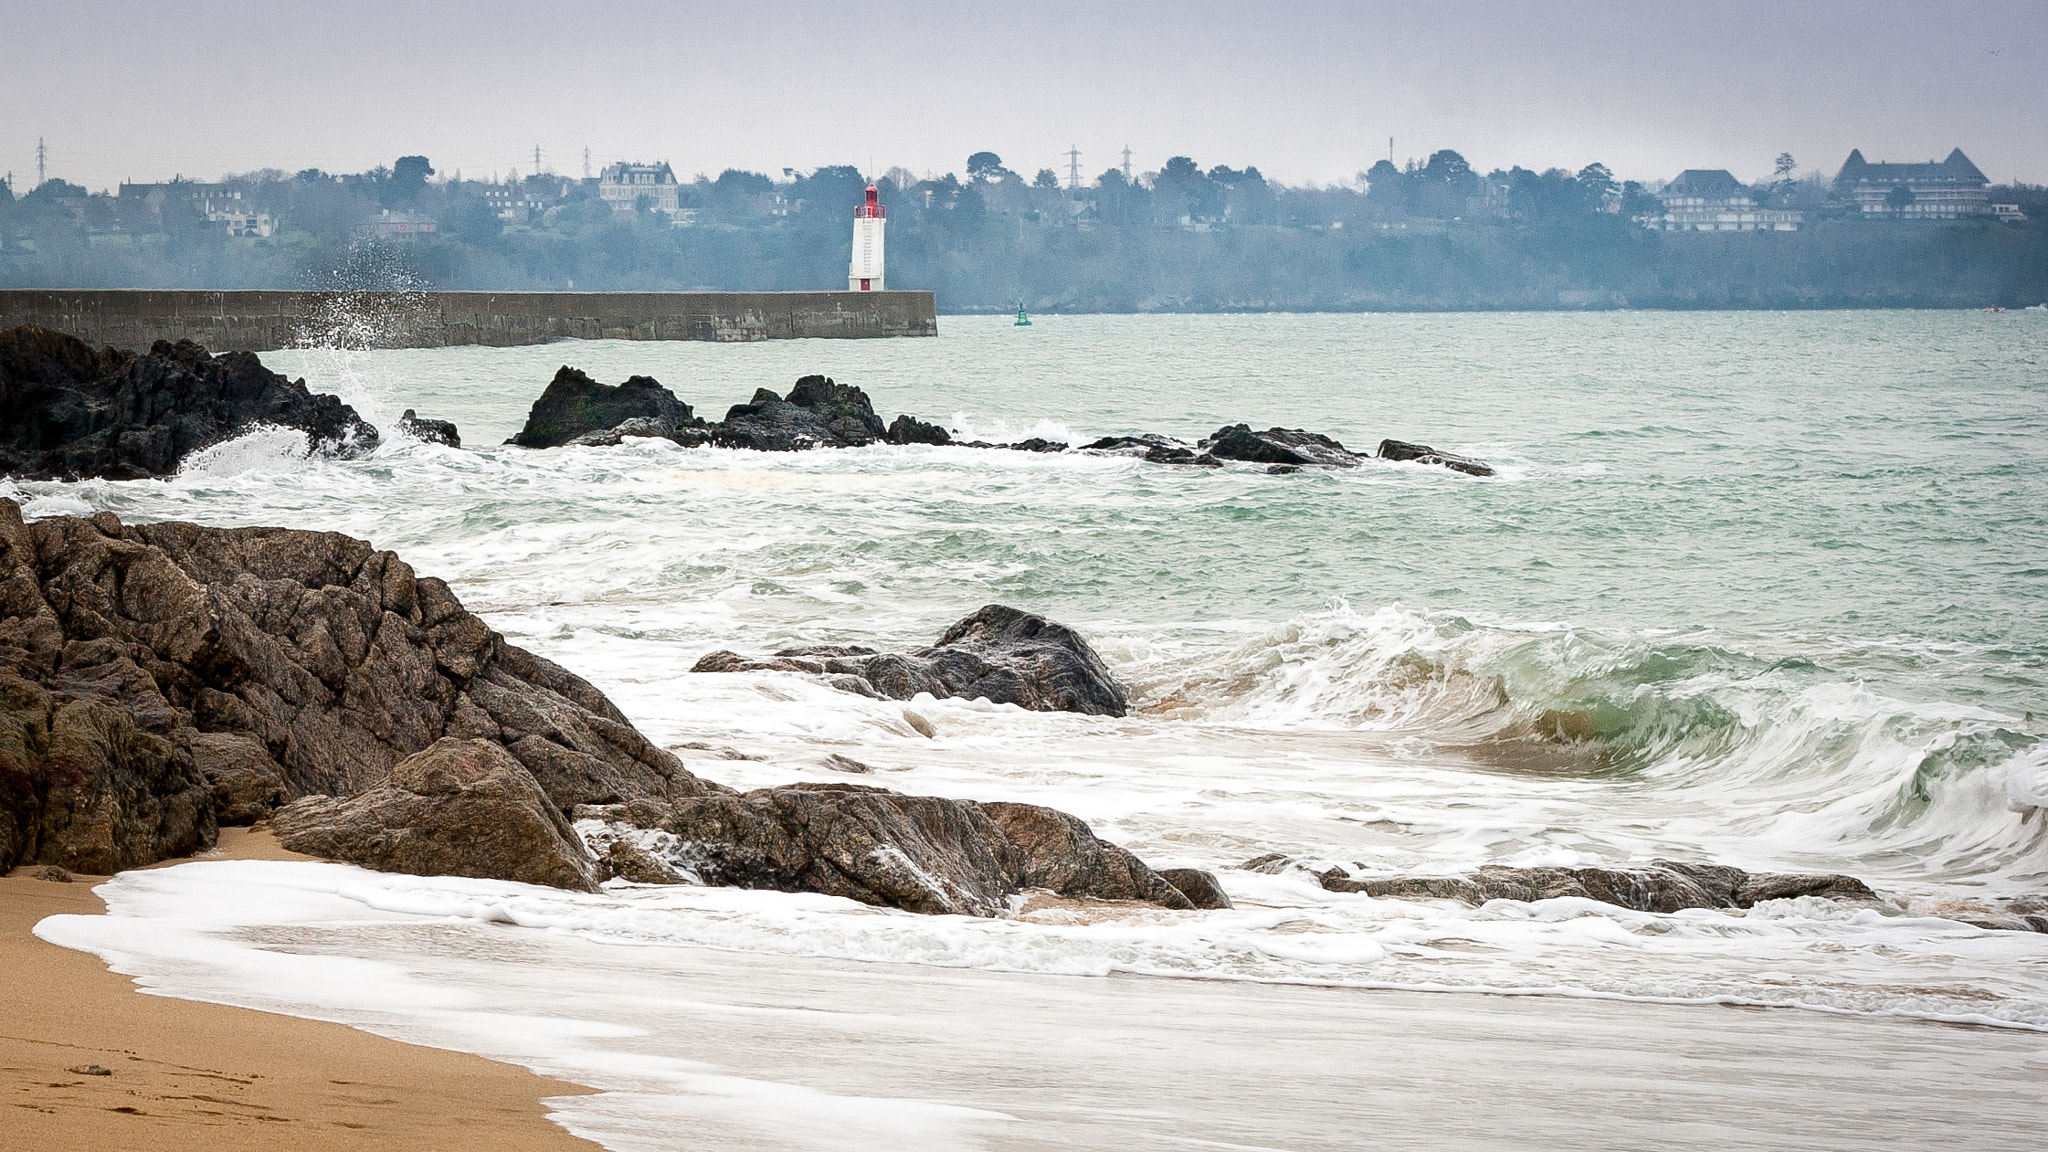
<point x="1306" y="91"/>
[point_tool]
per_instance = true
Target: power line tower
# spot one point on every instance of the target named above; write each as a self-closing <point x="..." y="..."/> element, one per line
<point x="536" y="159"/>
<point x="41" y="154"/>
<point x="586" y="161"/>
<point x="1073" y="166"/>
<point x="1127" y="163"/>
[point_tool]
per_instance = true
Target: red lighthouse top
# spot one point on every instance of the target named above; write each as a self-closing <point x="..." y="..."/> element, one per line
<point x="872" y="210"/>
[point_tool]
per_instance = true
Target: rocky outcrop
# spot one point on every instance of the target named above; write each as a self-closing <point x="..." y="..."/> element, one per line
<point x="1424" y="454"/>
<point x="1661" y="886"/>
<point x="429" y="431"/>
<point x="911" y="430"/>
<point x="1278" y="446"/>
<point x="574" y="405"/>
<point x="70" y="411"/>
<point x="1001" y="654"/>
<point x="920" y="853"/>
<point x="817" y="413"/>
<point x="155" y="679"/>
<point x="459" y="808"/>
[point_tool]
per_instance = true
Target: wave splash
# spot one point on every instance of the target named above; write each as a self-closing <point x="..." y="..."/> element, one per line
<point x="1799" y="752"/>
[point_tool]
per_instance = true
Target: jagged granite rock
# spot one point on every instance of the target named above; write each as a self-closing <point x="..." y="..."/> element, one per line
<point x="920" y="853"/>
<point x="574" y="405"/>
<point x="1424" y="454"/>
<point x="247" y="784"/>
<point x="911" y="430"/>
<point x="70" y="411"/>
<point x="1662" y="886"/>
<point x="999" y="653"/>
<point x="326" y="660"/>
<point x="817" y="413"/>
<point x="459" y="808"/>
<point x="1278" y="446"/>
<point x="432" y="431"/>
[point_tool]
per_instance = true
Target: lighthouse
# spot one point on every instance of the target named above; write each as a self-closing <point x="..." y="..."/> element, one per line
<point x="865" y="275"/>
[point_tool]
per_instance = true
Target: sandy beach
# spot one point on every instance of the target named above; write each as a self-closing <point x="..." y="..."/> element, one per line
<point x="184" y="1075"/>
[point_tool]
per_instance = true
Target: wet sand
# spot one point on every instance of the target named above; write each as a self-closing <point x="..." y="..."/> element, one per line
<point x="184" y="1075"/>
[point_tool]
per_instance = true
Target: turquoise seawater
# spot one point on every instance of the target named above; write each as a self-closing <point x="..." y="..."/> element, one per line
<point x="1760" y="588"/>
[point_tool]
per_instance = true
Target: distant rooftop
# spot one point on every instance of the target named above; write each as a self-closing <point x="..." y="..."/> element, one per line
<point x="1956" y="170"/>
<point x="1703" y="182"/>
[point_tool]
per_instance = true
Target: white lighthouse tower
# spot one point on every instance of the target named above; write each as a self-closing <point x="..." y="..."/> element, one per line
<point x="865" y="275"/>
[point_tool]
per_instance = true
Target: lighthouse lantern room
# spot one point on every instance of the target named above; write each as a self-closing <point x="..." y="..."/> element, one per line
<point x="865" y="274"/>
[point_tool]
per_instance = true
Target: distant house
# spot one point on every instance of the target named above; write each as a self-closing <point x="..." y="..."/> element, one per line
<point x="400" y="225"/>
<point x="220" y="203"/>
<point x="624" y="185"/>
<point x="1950" y="189"/>
<point x="516" y="201"/>
<point x="1713" y="200"/>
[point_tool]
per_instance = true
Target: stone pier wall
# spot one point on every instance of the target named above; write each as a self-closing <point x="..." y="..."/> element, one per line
<point x="262" y="321"/>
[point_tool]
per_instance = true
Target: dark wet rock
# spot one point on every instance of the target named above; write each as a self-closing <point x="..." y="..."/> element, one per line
<point x="1036" y="444"/>
<point x="637" y="426"/>
<point x="431" y="431"/>
<point x="1424" y="454"/>
<point x="1133" y="445"/>
<point x="53" y="874"/>
<point x="920" y="853"/>
<point x="148" y="671"/>
<point x="70" y="411"/>
<point x="1278" y="446"/>
<point x="575" y="405"/>
<point x="817" y="413"/>
<point x="999" y="653"/>
<point x="1199" y="886"/>
<point x="1178" y="455"/>
<point x="911" y="430"/>
<point x="1282" y="469"/>
<point x="1662" y="886"/>
<point x="459" y="808"/>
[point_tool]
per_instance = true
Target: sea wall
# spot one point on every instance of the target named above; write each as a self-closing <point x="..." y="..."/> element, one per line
<point x="259" y="321"/>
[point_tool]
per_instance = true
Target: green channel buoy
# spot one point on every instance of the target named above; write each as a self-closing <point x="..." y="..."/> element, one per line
<point x="1023" y="321"/>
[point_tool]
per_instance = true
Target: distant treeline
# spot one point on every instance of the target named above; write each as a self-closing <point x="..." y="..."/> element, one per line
<point x="1432" y="235"/>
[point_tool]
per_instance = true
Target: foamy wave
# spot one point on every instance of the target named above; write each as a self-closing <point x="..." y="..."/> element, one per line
<point x="1795" y="953"/>
<point x="264" y="448"/>
<point x="1795" y="753"/>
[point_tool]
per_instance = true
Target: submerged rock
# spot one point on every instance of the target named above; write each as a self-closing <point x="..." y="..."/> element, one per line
<point x="1662" y="886"/>
<point x="68" y="411"/>
<point x="1200" y="887"/>
<point x="1424" y="454"/>
<point x="817" y="413"/>
<point x="574" y="405"/>
<point x="459" y="808"/>
<point x="920" y="853"/>
<point x="1002" y="654"/>
<point x="1278" y="446"/>
<point x="432" y="431"/>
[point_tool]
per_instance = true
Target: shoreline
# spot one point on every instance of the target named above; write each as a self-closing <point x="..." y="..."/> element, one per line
<point x="187" y="1075"/>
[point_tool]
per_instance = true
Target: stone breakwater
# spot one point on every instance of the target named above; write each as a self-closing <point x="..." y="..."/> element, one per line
<point x="256" y="321"/>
